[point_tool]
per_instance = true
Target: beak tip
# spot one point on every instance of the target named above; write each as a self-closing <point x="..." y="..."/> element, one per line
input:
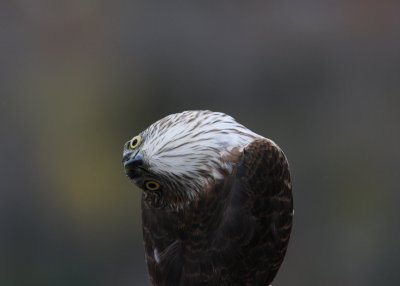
<point x="133" y="162"/>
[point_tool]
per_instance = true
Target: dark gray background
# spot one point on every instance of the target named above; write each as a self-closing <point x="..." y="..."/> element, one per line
<point x="77" y="80"/>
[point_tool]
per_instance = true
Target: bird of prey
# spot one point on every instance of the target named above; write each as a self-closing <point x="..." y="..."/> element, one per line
<point x="217" y="204"/>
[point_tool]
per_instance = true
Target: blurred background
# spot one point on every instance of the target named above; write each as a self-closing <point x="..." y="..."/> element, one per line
<point x="80" y="78"/>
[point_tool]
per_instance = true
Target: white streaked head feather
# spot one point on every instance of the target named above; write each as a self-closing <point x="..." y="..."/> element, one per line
<point x="191" y="145"/>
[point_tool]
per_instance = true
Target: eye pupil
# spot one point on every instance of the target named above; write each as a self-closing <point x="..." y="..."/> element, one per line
<point x="134" y="142"/>
<point x="152" y="186"/>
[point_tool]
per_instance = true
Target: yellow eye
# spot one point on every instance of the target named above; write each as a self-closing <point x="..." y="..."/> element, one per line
<point x="152" y="185"/>
<point x="134" y="142"/>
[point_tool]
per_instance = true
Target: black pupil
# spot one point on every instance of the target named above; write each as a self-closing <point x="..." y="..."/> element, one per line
<point x="134" y="142"/>
<point x="152" y="185"/>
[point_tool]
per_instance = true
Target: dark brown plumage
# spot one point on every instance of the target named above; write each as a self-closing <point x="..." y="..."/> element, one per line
<point x="234" y="232"/>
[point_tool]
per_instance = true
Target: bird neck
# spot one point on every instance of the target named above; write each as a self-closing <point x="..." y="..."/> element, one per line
<point x="196" y="222"/>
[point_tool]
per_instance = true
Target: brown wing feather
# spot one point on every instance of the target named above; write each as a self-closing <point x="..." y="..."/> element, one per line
<point x="264" y="176"/>
<point x="235" y="234"/>
<point x="255" y="230"/>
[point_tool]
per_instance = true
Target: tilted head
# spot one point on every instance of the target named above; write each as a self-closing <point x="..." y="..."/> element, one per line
<point x="183" y="154"/>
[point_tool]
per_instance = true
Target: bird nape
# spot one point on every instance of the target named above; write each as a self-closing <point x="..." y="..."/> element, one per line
<point x="217" y="205"/>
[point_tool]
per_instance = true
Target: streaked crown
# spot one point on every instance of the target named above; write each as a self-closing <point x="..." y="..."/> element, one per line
<point x="189" y="150"/>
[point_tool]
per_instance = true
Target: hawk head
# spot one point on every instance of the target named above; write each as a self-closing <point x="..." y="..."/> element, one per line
<point x="184" y="154"/>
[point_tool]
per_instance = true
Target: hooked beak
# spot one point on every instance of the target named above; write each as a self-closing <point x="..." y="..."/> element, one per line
<point x="132" y="163"/>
